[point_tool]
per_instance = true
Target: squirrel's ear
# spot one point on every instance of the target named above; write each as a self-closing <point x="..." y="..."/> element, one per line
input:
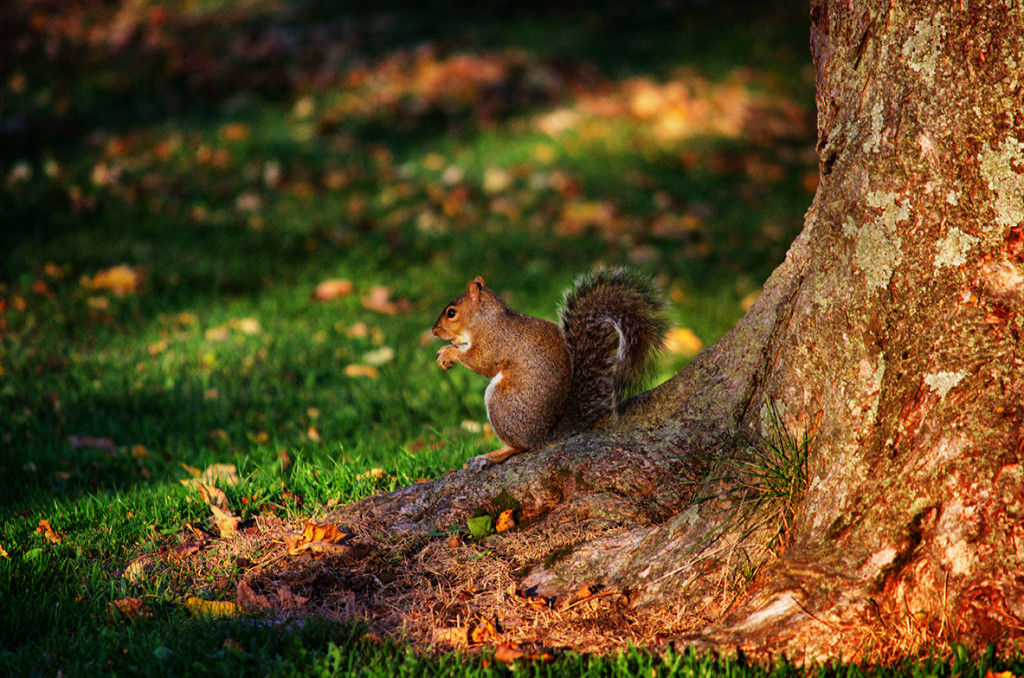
<point x="473" y="288"/>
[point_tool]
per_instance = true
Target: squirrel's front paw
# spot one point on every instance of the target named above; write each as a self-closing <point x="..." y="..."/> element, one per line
<point x="445" y="360"/>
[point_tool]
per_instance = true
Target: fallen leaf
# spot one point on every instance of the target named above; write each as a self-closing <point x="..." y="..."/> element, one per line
<point x="683" y="341"/>
<point x="247" y="326"/>
<point x="483" y="632"/>
<point x="287" y="599"/>
<point x="211" y="609"/>
<point x="217" y="333"/>
<point x="481" y="526"/>
<point x="505" y="521"/>
<point x="3" y="552"/>
<point x="381" y="356"/>
<point x="138" y="569"/>
<point x="317" y="539"/>
<point x="121" y="280"/>
<point x="379" y="300"/>
<point x="249" y="600"/>
<point x="333" y="289"/>
<point x="226" y="521"/>
<point x="456" y="636"/>
<point x="355" y="370"/>
<point x="212" y="495"/>
<point x="132" y="608"/>
<point x="215" y="473"/>
<point x="51" y="535"/>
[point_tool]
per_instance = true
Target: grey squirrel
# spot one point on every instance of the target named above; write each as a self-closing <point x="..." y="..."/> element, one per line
<point x="549" y="382"/>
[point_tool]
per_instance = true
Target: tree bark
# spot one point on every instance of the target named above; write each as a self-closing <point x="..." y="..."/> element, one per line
<point x="890" y="336"/>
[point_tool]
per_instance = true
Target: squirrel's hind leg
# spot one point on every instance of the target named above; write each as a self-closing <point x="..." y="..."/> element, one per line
<point x="495" y="457"/>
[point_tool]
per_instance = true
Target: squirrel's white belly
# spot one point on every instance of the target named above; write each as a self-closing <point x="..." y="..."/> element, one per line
<point x="489" y="392"/>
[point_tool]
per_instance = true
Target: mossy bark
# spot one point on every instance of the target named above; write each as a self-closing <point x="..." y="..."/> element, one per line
<point x="891" y="334"/>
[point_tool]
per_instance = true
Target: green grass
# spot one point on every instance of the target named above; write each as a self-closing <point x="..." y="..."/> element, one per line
<point x="222" y="151"/>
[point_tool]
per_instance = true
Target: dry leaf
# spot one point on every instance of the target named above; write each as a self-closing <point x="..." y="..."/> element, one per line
<point x="224" y="473"/>
<point x="248" y="326"/>
<point x="48" y="532"/>
<point x="132" y="608"/>
<point x="505" y="521"/>
<point x="509" y="652"/>
<point x="379" y="300"/>
<point x="333" y="289"/>
<point x="212" y="495"/>
<point x="226" y="521"/>
<point x="456" y="636"/>
<point x="120" y="280"/>
<point x="138" y="569"/>
<point x="683" y="341"/>
<point x="249" y="600"/>
<point x="286" y="599"/>
<point x="361" y="371"/>
<point x="316" y="539"/>
<point x="483" y="632"/>
<point x="211" y="609"/>
<point x="3" y="552"/>
<point x="381" y="356"/>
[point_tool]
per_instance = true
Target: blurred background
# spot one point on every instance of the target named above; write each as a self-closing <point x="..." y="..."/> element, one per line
<point x="225" y="227"/>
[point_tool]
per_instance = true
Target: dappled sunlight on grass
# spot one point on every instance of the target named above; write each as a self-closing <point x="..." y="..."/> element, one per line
<point x="228" y="225"/>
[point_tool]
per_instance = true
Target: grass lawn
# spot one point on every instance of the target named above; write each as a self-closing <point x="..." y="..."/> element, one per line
<point x="177" y="179"/>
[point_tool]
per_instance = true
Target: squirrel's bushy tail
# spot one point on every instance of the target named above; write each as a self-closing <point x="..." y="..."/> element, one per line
<point x="614" y="324"/>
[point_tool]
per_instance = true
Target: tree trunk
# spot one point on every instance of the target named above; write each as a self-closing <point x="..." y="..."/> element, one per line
<point x="890" y="337"/>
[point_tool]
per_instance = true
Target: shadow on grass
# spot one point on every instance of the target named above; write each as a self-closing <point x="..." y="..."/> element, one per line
<point x="172" y="136"/>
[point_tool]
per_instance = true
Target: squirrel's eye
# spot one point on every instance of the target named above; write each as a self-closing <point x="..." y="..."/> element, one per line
<point x="450" y="313"/>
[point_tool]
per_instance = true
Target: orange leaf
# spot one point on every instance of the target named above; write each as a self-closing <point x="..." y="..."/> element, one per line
<point x="333" y="289"/>
<point x="483" y="632"/>
<point x="48" y="532"/>
<point x="505" y="521"/>
<point x="316" y="539"/>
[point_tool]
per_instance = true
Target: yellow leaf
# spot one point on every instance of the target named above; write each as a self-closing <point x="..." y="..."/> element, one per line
<point x="120" y="280"/>
<point x="683" y="341"/>
<point x="367" y="371"/>
<point x="226" y="521"/>
<point x="505" y="521"/>
<point x="211" y="609"/>
<point x="3" y="552"/>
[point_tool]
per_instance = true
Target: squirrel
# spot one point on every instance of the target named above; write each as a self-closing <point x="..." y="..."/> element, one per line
<point x="548" y="381"/>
